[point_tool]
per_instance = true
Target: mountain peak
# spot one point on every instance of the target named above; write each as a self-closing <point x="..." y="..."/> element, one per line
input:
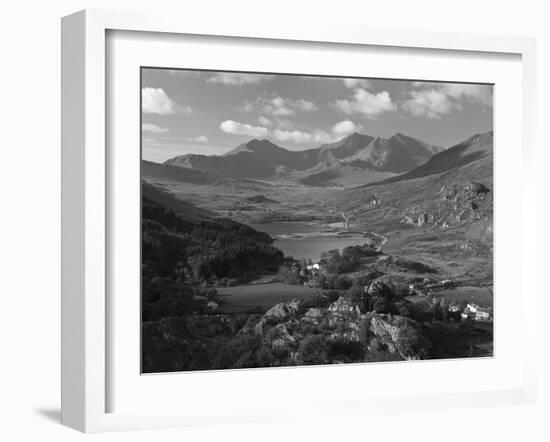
<point x="253" y="145"/>
<point x="260" y="158"/>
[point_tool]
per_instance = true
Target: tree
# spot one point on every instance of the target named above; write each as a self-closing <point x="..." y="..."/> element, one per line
<point x="342" y="282"/>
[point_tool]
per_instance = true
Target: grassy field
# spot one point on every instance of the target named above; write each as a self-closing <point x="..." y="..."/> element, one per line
<point x="481" y="296"/>
<point x="242" y="298"/>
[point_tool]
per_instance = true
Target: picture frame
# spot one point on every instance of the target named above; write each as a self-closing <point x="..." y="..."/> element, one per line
<point x="87" y="207"/>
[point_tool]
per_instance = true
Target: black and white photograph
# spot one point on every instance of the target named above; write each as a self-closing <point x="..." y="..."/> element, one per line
<point x="297" y="220"/>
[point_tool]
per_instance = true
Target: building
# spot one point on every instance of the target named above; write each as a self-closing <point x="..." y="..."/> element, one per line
<point x="476" y="313"/>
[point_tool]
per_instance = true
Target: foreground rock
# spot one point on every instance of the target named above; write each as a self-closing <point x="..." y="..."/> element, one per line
<point x="395" y="334"/>
<point x="336" y="334"/>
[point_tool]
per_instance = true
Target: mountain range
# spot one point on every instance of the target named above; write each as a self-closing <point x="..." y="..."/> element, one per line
<point x="358" y="158"/>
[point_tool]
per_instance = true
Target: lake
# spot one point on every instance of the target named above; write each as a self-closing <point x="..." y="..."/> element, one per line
<point x="307" y="240"/>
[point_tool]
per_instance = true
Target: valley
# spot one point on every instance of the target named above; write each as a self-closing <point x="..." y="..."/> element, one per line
<point x="361" y="227"/>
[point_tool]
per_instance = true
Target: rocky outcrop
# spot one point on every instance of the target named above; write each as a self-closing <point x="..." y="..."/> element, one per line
<point x="454" y="204"/>
<point x="279" y="313"/>
<point x="341" y="305"/>
<point x="396" y="334"/>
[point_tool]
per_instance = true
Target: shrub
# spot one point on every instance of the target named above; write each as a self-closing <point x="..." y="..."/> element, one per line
<point x="239" y="352"/>
<point x="342" y="282"/>
<point x="314" y="350"/>
<point x="351" y="351"/>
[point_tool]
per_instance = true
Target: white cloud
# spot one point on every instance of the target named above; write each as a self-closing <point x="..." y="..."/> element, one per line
<point x="434" y="100"/>
<point x="366" y="103"/>
<point x="233" y="79"/>
<point x="304" y="105"/>
<point x="236" y="128"/>
<point x="430" y="103"/>
<point x="153" y="128"/>
<point x="295" y="136"/>
<point x="278" y="106"/>
<point x="264" y="121"/>
<point x="339" y="130"/>
<point x="357" y="82"/>
<point x="155" y="101"/>
<point x="344" y="128"/>
<point x="321" y="136"/>
<point x="199" y="139"/>
<point x="470" y="92"/>
<point x="441" y="99"/>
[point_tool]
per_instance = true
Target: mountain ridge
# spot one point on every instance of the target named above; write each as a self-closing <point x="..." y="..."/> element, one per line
<point x="474" y="148"/>
<point x="263" y="158"/>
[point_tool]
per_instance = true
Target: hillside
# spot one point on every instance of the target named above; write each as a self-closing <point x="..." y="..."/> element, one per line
<point x="443" y="208"/>
<point x="156" y="195"/>
<point x="474" y="148"/>
<point x="158" y="172"/>
<point x="179" y="238"/>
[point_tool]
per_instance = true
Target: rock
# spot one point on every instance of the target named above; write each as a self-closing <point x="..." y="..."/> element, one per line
<point x="279" y="313"/>
<point x="284" y="335"/>
<point x="313" y="315"/>
<point x="397" y="334"/>
<point x="476" y="190"/>
<point x="341" y="305"/>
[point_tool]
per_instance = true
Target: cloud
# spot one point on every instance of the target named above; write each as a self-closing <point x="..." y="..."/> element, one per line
<point x="356" y="82"/>
<point x="236" y="128"/>
<point x="321" y="136"/>
<point x="344" y="128"/>
<point x="304" y="105"/>
<point x="434" y="100"/>
<point x="264" y="121"/>
<point x="278" y="106"/>
<point x="295" y="136"/>
<point x="338" y="131"/>
<point x="430" y="103"/>
<point x="470" y="92"/>
<point x="233" y="79"/>
<point x="366" y="103"/>
<point x="199" y="139"/>
<point x="153" y="128"/>
<point x="155" y="101"/>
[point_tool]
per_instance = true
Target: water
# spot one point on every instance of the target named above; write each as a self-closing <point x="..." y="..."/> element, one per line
<point x="307" y="240"/>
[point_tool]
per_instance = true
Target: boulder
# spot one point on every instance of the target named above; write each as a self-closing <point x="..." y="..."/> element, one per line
<point x="312" y="316"/>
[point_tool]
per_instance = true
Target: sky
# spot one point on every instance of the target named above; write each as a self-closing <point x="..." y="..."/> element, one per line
<point x="211" y="112"/>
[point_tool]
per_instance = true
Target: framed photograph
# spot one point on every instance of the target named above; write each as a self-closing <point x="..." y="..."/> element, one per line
<point x="256" y="214"/>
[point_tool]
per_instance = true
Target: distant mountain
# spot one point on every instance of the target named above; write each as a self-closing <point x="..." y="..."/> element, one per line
<point x="357" y="154"/>
<point x="397" y="154"/>
<point x="468" y="151"/>
<point x="255" y="159"/>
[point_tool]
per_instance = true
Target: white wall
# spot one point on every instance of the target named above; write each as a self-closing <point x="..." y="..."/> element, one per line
<point x="30" y="221"/>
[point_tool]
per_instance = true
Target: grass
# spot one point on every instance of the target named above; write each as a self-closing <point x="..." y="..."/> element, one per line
<point x="243" y="298"/>
<point x="481" y="296"/>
